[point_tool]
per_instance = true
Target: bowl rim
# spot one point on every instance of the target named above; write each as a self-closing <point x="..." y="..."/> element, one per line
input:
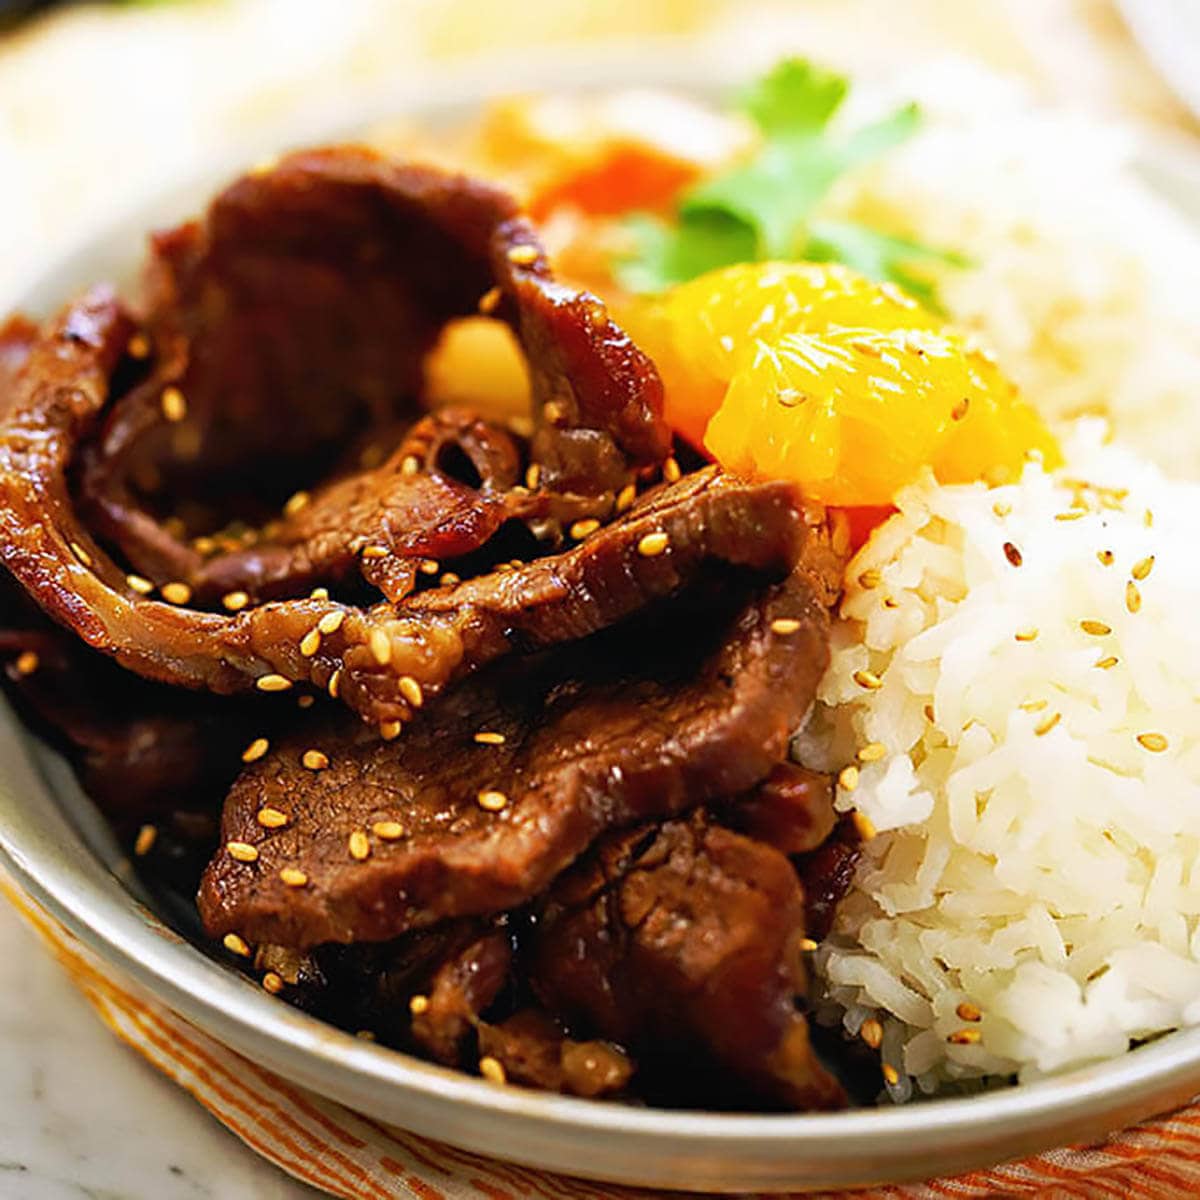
<point x="42" y="848"/>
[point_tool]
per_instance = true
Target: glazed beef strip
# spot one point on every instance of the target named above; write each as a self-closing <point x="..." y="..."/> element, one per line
<point x="455" y="994"/>
<point x="141" y="750"/>
<point x="693" y="701"/>
<point x="370" y="658"/>
<point x="682" y="942"/>
<point x="792" y="810"/>
<point x="325" y="280"/>
<point x="240" y="315"/>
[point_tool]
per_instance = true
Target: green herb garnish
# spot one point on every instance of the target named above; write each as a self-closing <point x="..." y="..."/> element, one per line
<point x="768" y="206"/>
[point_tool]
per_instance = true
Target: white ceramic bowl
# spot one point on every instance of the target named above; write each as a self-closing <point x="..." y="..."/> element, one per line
<point x="57" y="847"/>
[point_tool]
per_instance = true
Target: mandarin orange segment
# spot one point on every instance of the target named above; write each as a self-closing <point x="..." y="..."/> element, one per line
<point x="811" y="372"/>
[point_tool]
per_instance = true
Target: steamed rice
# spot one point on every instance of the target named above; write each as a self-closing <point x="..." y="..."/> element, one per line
<point x="1037" y="848"/>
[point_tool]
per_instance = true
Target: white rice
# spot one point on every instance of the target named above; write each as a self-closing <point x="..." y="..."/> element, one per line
<point x="1035" y="859"/>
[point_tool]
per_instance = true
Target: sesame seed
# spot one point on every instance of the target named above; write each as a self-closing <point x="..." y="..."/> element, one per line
<point x="272" y="683"/>
<point x="273" y="983"/>
<point x="410" y="465"/>
<point x="960" y="409"/>
<point x="334" y="684"/>
<point x="870" y="579"/>
<point x="784" y="625"/>
<point x="27" y="662"/>
<point x="872" y="752"/>
<point x="272" y="818"/>
<point x="365" y="1035"/>
<point x="144" y="843"/>
<point x="671" y="471"/>
<point x="1154" y="742"/>
<point x="138" y="346"/>
<point x="381" y="647"/>
<point x="1072" y="514"/>
<point x="867" y="348"/>
<point x="319" y="593"/>
<point x="492" y="1070"/>
<point x="431" y="566"/>
<point x="1026" y="635"/>
<point x="235" y="601"/>
<point x="1095" y="628"/>
<point x="1001" y="508"/>
<point x="486" y="738"/>
<point x="1046" y="724"/>
<point x="176" y="593"/>
<point x="418" y="1005"/>
<point x="389" y="831"/>
<point x="374" y="552"/>
<point x="81" y="554"/>
<point x="255" y="750"/>
<point x="872" y="1033"/>
<point x="890" y="1075"/>
<point x="864" y="825"/>
<point x="582" y="529"/>
<point x="492" y="800"/>
<point x="968" y="1012"/>
<point x="523" y="256"/>
<point x="1012" y="554"/>
<point x="1143" y="567"/>
<point x="410" y="689"/>
<point x="1105" y="663"/>
<point x="174" y="406"/>
<point x="533" y="476"/>
<point x="868" y="680"/>
<point x="390" y="730"/>
<point x="242" y="851"/>
<point x="359" y="846"/>
<point x="315" y="760"/>
<point x="1106" y="557"/>
<point x="310" y="643"/>
<point x="236" y="945"/>
<point x="807" y="944"/>
<point x="295" y="503"/>
<point x="449" y="579"/>
<point x="305" y="701"/>
<point x="626" y="496"/>
<point x="848" y="779"/>
<point x="293" y="876"/>
<point x="1034" y="705"/>
<point x="331" y="622"/>
<point x="1133" y="598"/>
<point x="204" y="545"/>
<point x="965" y="1037"/>
<point x="139" y="584"/>
<point x="1148" y="518"/>
<point x="653" y="544"/>
<point x="489" y="301"/>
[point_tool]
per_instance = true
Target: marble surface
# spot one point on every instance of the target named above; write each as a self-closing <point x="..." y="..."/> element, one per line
<point x="82" y="1116"/>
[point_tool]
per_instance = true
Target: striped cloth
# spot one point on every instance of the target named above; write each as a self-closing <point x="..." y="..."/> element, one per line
<point x="349" y="1155"/>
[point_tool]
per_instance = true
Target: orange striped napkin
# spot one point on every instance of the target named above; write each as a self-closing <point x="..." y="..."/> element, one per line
<point x="347" y="1154"/>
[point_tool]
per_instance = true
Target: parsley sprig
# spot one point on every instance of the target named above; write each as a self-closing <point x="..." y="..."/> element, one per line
<point x="769" y="206"/>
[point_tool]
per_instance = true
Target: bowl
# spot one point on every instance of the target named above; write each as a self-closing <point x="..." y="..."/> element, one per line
<point x="57" y="847"/>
